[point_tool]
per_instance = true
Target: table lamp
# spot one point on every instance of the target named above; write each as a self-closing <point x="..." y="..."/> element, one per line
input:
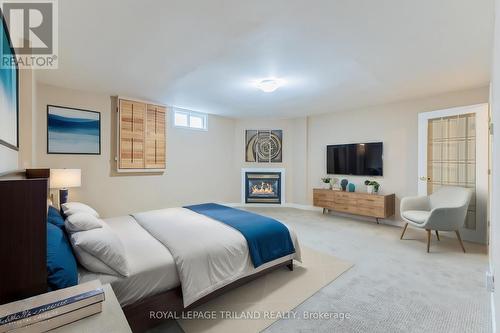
<point x="63" y="179"/>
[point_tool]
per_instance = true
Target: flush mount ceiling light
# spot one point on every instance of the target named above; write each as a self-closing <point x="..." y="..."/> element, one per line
<point x="270" y="85"/>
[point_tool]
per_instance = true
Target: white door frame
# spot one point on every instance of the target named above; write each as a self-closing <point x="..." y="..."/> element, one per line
<point x="481" y="111"/>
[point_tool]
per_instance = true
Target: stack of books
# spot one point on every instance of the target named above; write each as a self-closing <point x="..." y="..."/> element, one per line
<point x="51" y="310"/>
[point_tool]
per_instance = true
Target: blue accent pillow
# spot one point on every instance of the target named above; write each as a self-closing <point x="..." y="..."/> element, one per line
<point x="54" y="217"/>
<point x="61" y="264"/>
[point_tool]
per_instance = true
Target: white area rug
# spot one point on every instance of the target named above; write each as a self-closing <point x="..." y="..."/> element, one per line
<point x="267" y="298"/>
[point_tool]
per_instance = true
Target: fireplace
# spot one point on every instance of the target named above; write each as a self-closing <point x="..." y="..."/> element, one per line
<point x="263" y="187"/>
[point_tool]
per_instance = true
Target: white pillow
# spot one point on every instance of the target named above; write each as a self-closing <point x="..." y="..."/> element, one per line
<point x="71" y="208"/>
<point x="93" y="264"/>
<point x="82" y="222"/>
<point x="103" y="246"/>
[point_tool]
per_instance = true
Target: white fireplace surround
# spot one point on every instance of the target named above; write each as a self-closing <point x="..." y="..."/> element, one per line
<point x="282" y="183"/>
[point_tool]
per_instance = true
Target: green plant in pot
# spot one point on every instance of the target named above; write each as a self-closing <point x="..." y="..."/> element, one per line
<point x="327" y="182"/>
<point x="372" y="186"/>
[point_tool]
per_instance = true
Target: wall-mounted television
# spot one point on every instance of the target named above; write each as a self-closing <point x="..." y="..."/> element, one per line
<point x="359" y="159"/>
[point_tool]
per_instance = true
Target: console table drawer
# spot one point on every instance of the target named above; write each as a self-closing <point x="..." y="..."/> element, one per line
<point x="342" y="208"/>
<point x="359" y="201"/>
<point x="342" y="195"/>
<point x="327" y="195"/>
<point x="341" y="200"/>
<point x="370" y="202"/>
<point x="324" y="203"/>
<point x="367" y="211"/>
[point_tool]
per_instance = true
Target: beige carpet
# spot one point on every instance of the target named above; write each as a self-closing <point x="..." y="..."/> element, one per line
<point x="268" y="297"/>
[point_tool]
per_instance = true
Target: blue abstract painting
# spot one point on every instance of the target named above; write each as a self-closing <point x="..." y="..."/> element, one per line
<point x="8" y="92"/>
<point x="73" y="131"/>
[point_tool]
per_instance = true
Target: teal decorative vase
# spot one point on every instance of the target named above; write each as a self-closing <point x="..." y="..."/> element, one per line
<point x="344" y="183"/>
<point x="351" y="187"/>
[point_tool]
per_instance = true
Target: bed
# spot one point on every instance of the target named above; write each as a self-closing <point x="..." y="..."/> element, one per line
<point x="159" y="280"/>
<point x="155" y="281"/>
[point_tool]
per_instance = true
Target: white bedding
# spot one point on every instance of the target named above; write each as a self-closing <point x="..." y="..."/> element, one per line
<point x="208" y="254"/>
<point x="153" y="266"/>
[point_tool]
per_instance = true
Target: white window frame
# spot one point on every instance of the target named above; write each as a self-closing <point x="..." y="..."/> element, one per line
<point x="189" y="114"/>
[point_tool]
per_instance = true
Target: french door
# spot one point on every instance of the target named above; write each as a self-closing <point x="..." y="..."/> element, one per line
<point x="453" y="151"/>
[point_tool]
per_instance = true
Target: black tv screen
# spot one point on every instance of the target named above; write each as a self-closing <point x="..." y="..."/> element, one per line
<point x="360" y="159"/>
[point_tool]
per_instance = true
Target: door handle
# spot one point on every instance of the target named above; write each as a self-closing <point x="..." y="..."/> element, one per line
<point x="423" y="178"/>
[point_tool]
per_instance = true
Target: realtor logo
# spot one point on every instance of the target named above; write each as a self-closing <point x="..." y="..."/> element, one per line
<point x="33" y="27"/>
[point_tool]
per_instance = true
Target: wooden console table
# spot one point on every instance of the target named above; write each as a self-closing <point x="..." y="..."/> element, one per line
<point x="357" y="203"/>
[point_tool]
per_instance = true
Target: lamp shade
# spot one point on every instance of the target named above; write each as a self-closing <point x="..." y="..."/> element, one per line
<point x="64" y="178"/>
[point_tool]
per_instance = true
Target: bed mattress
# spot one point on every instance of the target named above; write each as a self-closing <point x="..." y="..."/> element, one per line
<point x="152" y="266"/>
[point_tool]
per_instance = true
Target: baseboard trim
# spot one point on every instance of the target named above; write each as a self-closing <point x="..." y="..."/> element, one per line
<point x="316" y="209"/>
<point x="303" y="207"/>
<point x="285" y="205"/>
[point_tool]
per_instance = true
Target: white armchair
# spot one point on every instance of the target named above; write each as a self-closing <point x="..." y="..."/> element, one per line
<point x="443" y="210"/>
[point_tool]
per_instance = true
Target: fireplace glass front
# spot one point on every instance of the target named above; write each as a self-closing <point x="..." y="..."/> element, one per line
<point x="263" y="187"/>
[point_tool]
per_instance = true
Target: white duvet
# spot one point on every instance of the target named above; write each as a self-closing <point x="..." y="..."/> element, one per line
<point x="208" y="254"/>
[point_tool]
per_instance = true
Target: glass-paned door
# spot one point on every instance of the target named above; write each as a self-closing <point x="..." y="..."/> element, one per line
<point x="453" y="151"/>
<point x="451" y="156"/>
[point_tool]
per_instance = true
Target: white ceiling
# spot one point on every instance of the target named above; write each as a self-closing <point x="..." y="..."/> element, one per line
<point x="335" y="54"/>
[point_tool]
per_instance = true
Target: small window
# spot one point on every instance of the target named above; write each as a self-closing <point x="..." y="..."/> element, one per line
<point x="190" y="119"/>
<point x="181" y="119"/>
<point x="196" y="122"/>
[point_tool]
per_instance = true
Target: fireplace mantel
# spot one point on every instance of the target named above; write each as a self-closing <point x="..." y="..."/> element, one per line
<point x="283" y="180"/>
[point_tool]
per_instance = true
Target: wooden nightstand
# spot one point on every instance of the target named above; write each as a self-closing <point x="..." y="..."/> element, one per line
<point x="110" y="320"/>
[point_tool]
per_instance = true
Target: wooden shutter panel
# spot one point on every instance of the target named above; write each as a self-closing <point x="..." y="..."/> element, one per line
<point x="155" y="137"/>
<point x="132" y="116"/>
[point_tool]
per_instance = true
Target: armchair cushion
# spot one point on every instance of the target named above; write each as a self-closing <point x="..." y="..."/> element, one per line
<point x="416" y="216"/>
<point x="415" y="203"/>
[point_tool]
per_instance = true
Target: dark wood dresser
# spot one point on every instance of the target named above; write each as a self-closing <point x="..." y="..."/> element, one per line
<point x="23" y="234"/>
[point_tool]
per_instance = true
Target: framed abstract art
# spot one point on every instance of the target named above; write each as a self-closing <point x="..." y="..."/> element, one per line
<point x="73" y="131"/>
<point x="9" y="91"/>
<point x="264" y="146"/>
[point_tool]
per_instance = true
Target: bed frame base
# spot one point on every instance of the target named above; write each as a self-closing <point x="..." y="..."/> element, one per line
<point x="139" y="314"/>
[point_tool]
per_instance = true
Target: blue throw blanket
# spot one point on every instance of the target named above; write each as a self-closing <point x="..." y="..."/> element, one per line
<point x="267" y="238"/>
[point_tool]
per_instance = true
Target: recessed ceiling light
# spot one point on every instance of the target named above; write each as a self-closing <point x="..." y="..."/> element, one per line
<point x="270" y="85"/>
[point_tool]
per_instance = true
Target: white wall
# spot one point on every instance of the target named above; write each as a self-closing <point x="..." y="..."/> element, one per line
<point x="206" y="166"/>
<point x="495" y="178"/>
<point x="199" y="167"/>
<point x="300" y="159"/>
<point x="394" y="124"/>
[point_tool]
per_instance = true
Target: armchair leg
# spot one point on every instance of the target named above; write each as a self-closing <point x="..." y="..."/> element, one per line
<point x="404" y="230"/>
<point x="437" y="235"/>
<point x="428" y="239"/>
<point x="460" y="240"/>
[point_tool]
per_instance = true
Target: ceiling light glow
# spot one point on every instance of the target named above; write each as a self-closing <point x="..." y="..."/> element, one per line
<point x="270" y="85"/>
